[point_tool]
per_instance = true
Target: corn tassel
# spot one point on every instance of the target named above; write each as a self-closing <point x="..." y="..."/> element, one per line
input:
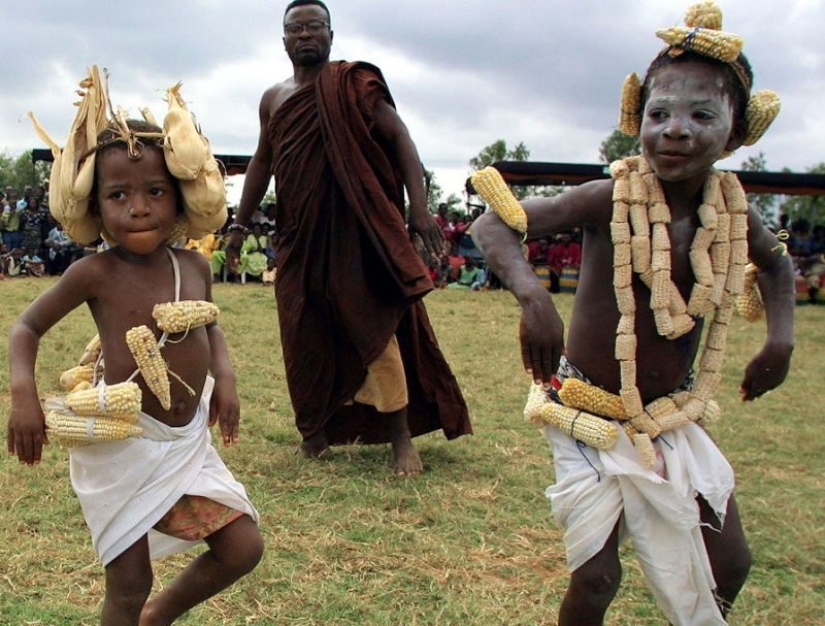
<point x="144" y="347"/>
<point x="491" y="187"/>
<point x="121" y="401"/>
<point x="77" y="430"/>
<point x="178" y="317"/>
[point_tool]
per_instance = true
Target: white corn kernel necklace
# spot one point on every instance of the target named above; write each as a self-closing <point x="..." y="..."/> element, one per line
<point x="641" y="245"/>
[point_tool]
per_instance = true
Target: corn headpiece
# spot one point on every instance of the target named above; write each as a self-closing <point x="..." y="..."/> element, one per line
<point x="703" y="35"/>
<point x="186" y="150"/>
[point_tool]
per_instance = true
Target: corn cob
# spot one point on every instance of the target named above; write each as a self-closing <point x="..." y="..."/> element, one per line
<point x="72" y="377"/>
<point x="578" y="394"/>
<point x="91" y="352"/>
<point x="177" y="317"/>
<point x="205" y="198"/>
<point x="645" y="450"/>
<point x="704" y="14"/>
<point x="121" y="401"/>
<point x="491" y="187"/>
<point x="705" y="41"/>
<point x="144" y="347"/>
<point x="77" y="430"/>
<point x="630" y="115"/>
<point x="185" y="148"/>
<point x="749" y="304"/>
<point x="763" y="107"/>
<point x="594" y="431"/>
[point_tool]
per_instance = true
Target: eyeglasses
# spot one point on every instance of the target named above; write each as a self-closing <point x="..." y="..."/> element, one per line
<point x="315" y="27"/>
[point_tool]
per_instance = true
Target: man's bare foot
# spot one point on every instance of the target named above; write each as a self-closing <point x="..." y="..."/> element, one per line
<point x="316" y="447"/>
<point x="407" y="460"/>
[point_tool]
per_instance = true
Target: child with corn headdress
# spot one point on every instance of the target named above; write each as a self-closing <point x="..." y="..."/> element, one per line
<point x="666" y="244"/>
<point x="140" y="399"/>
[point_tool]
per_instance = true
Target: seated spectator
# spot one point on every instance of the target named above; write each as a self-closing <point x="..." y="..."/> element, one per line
<point x="33" y="265"/>
<point x="12" y="262"/>
<point x="61" y="250"/>
<point x="807" y="251"/>
<point x="471" y="276"/>
<point x="268" y="275"/>
<point x="455" y="262"/>
<point x="562" y="254"/>
<point x="253" y="257"/>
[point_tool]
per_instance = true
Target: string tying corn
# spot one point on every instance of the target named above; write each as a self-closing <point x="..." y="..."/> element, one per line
<point x="181" y="316"/>
<point x="491" y="187"/>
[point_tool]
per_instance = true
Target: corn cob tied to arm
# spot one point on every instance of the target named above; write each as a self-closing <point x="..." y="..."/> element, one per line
<point x="491" y="187"/>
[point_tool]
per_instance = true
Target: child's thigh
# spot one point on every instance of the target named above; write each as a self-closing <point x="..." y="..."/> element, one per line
<point x="131" y="571"/>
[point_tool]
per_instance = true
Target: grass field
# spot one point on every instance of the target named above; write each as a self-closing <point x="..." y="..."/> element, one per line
<point x="471" y="541"/>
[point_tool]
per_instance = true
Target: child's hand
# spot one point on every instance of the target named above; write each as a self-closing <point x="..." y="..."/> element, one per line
<point x="27" y="431"/>
<point x="225" y="409"/>
<point x="766" y="371"/>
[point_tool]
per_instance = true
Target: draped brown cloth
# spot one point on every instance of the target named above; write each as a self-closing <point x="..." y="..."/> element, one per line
<point x="348" y="276"/>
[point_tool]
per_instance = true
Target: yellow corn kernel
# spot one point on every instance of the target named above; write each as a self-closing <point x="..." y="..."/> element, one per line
<point x="91" y="352"/>
<point x="77" y="430"/>
<point x="73" y="376"/>
<point x="491" y="187"/>
<point x="711" y="43"/>
<point x="177" y="317"/>
<point x="144" y="347"/>
<point x="581" y="395"/>
<point x="121" y="401"/>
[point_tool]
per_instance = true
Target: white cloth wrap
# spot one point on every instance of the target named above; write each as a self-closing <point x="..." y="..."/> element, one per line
<point x="125" y="487"/>
<point x="660" y="515"/>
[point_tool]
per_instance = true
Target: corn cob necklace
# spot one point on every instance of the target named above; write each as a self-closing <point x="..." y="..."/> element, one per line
<point x="641" y="244"/>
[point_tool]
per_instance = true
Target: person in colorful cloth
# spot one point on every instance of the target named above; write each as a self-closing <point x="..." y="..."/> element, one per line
<point x="164" y="488"/>
<point x="350" y="282"/>
<point x="666" y="244"/>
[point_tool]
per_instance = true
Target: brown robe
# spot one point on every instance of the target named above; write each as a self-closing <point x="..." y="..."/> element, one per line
<point x="348" y="276"/>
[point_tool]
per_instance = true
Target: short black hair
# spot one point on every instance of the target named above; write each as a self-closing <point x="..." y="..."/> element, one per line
<point x="299" y="3"/>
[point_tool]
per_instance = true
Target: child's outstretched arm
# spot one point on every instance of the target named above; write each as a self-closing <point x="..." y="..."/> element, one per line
<point x="26" y="428"/>
<point x="224" y="405"/>
<point x="768" y="369"/>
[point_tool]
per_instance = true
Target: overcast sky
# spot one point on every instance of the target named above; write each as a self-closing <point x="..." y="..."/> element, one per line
<point x="463" y="73"/>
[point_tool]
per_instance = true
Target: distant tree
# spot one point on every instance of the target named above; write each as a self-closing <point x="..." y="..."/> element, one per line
<point x="812" y="208"/>
<point x="765" y="203"/>
<point x="618" y="146"/>
<point x="497" y="151"/>
<point x="21" y="171"/>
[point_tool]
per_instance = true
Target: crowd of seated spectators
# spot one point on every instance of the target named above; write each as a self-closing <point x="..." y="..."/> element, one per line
<point x="556" y="260"/>
<point x="806" y="245"/>
<point x="33" y="243"/>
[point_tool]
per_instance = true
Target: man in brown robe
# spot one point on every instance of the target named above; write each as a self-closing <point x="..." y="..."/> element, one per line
<point x="362" y="361"/>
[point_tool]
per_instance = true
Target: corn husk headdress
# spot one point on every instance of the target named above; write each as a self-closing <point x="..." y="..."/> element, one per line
<point x="703" y="34"/>
<point x="186" y="150"/>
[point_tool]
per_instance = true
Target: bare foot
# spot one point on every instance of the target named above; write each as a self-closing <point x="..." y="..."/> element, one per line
<point x="407" y="460"/>
<point x="315" y="447"/>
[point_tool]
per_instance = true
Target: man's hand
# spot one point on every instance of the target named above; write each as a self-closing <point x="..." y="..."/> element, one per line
<point x="234" y="241"/>
<point x="541" y="333"/>
<point x="425" y="226"/>
<point x="766" y="371"/>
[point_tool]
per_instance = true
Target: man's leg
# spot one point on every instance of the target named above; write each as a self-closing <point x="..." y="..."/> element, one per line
<point x="407" y="460"/>
<point x="593" y="586"/>
<point x="728" y="551"/>
<point x="316" y="446"/>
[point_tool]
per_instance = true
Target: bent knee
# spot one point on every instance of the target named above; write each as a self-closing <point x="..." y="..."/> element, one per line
<point x="599" y="584"/>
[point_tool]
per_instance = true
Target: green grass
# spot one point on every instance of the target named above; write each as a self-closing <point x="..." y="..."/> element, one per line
<point x="471" y="541"/>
